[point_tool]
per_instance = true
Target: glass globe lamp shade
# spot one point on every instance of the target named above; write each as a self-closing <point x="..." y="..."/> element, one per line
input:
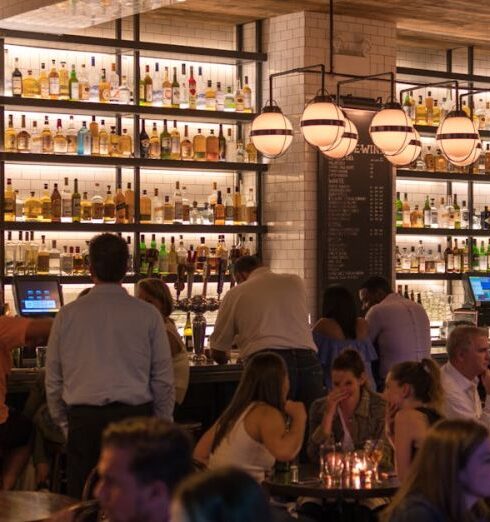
<point x="410" y="153"/>
<point x="346" y="144"/>
<point x="471" y="158"/>
<point x="458" y="138"/>
<point x="271" y="132"/>
<point x="391" y="129"/>
<point x="323" y="123"/>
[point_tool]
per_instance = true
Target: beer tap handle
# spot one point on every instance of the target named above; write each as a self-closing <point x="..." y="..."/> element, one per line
<point x="221" y="275"/>
<point x="179" y="285"/>
<point x="205" y="275"/>
<point x="190" y="279"/>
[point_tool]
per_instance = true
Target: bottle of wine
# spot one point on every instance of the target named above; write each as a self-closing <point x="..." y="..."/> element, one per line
<point x="144" y="142"/>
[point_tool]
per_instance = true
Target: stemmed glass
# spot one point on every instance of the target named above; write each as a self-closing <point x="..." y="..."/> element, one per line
<point x="331" y="463"/>
<point x="374" y="454"/>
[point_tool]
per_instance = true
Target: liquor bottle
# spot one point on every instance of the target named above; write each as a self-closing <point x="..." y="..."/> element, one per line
<point x="23" y="139"/>
<point x="163" y="258"/>
<point x="200" y="91"/>
<point x="54" y="259"/>
<point x="457" y="213"/>
<point x="442" y="215"/>
<point x="54" y="82"/>
<point x="450" y="212"/>
<point x="416" y="218"/>
<point x="202" y="254"/>
<point x="165" y="142"/>
<point x="42" y="267"/>
<point x="113" y="85"/>
<point x="86" y="209"/>
<point x="219" y="211"/>
<point x="210" y="95"/>
<point x="188" y="339"/>
<point x="83" y="84"/>
<point x="488" y="256"/>
<point x="449" y="256"/>
<point x="240" y="152"/>
<point x="119" y="205"/>
<point x="129" y="197"/>
<point x="43" y="82"/>
<point x="145" y="208"/>
<point x="229" y="101"/>
<point x="429" y="104"/>
<point x="36" y="139"/>
<point x="167" y="90"/>
<point x="229" y="208"/>
<point x="436" y="114"/>
<point x="212" y="147"/>
<point x="195" y="215"/>
<point x="457" y="255"/>
<point x="109" y="207"/>
<point x="78" y="264"/>
<point x="414" y="261"/>
<point x="66" y="261"/>
<point x="168" y="211"/>
<point x="130" y="268"/>
<point x="175" y="143"/>
<point x="155" y="147"/>
<point x="177" y="204"/>
<point x="124" y="91"/>
<point x="125" y="144"/>
<point x="487" y="158"/>
<point x="73" y="85"/>
<point x="156" y="208"/>
<point x="398" y="211"/>
<point x="192" y="90"/>
<point x="184" y="90"/>
<point x="32" y="208"/>
<point x="16" y="80"/>
<point x="147" y="98"/>
<point x="485" y="219"/>
<point x="440" y="262"/>
<point x="230" y="147"/>
<point x="221" y="144"/>
<point x="144" y="141"/>
<point x="172" y="257"/>
<point x="9" y="202"/>
<point x="47" y="137"/>
<point x="55" y="205"/>
<point x="76" y="209"/>
<point x="97" y="206"/>
<point x="186" y="208"/>
<point x="104" y="88"/>
<point x="237" y="207"/>
<point x="465" y="216"/>
<point x="19" y="207"/>
<point x="213" y="197"/>
<point x="475" y="256"/>
<point x="94" y="137"/>
<point x="199" y="146"/>
<point x="175" y="91"/>
<point x="186" y="151"/>
<point x="64" y="82"/>
<point x="247" y="97"/>
<point x="104" y="140"/>
<point x="93" y="78"/>
<point x="239" y="97"/>
<point x="60" y="143"/>
<point x="114" y="150"/>
<point x="30" y="86"/>
<point x="66" y="203"/>
<point x="181" y="252"/>
<point x="71" y="137"/>
<point x="10" y="136"/>
<point x="434" y="221"/>
<point x="84" y="145"/>
<point x="421" y="113"/>
<point x="220" y="98"/>
<point x="157" y="95"/>
<point x="483" y="260"/>
<point x="440" y="162"/>
<point x="251" y="208"/>
<point x="480" y="114"/>
<point x="46" y="205"/>
<point x="406" y="212"/>
<point x="251" y="152"/>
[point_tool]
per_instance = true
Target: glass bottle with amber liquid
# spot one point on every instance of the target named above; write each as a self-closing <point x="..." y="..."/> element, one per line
<point x="55" y="205"/>
<point x="440" y="162"/>
<point x="155" y="147"/>
<point x="23" y="142"/>
<point x="429" y="160"/>
<point x="48" y="145"/>
<point x="219" y="211"/>
<point x="129" y="197"/>
<point x="64" y="82"/>
<point x="42" y="267"/>
<point x="54" y="82"/>
<point x="212" y="147"/>
<point x="97" y="206"/>
<point x="202" y="254"/>
<point x="109" y="207"/>
<point x="199" y="146"/>
<point x="94" y="133"/>
<point x="85" y="209"/>
<point x="421" y="112"/>
<point x="186" y="146"/>
<point x="32" y="208"/>
<point x="120" y="203"/>
<point x="78" y="263"/>
<point x="125" y="144"/>
<point x="60" y="143"/>
<point x="46" y="205"/>
<point x="145" y="208"/>
<point x="10" y="136"/>
<point x="188" y="339"/>
<point x="104" y="88"/>
<point x="76" y="203"/>
<point x="114" y="150"/>
<point x="175" y="143"/>
<point x="165" y="142"/>
<point x="168" y="211"/>
<point x="43" y="82"/>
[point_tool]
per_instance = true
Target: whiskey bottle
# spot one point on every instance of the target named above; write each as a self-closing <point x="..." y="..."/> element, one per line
<point x="54" y="82"/>
<point x="71" y="137"/>
<point x="237" y="207"/>
<point x="406" y="212"/>
<point x="165" y="142"/>
<point x="104" y="88"/>
<point x="125" y="144"/>
<point x="43" y="82"/>
<point x="147" y="97"/>
<point x="168" y="211"/>
<point x="212" y="147"/>
<point x="10" y="136"/>
<point x="186" y="146"/>
<point x="114" y="149"/>
<point x="103" y="140"/>
<point x="129" y="197"/>
<point x="55" y="205"/>
<point x="202" y="254"/>
<point x="76" y="203"/>
<point x="219" y="211"/>
<point x="94" y="137"/>
<point x="177" y="204"/>
<point x="210" y="96"/>
<point x="60" y="143"/>
<point x="64" y="82"/>
<point x="239" y="105"/>
<point x="120" y="203"/>
<point x="421" y="113"/>
<point x="251" y="208"/>
<point x="16" y="80"/>
<point x="30" y="86"/>
<point x="155" y="147"/>
<point x="85" y="209"/>
<point x="251" y="152"/>
<point x="229" y="208"/>
<point x="47" y="137"/>
<point x="46" y="205"/>
<point x="9" y="202"/>
<point x="145" y="208"/>
<point x="186" y="208"/>
<point x="23" y="138"/>
<point x="97" y="206"/>
<point x="83" y="84"/>
<point x="66" y="204"/>
<point x="32" y="208"/>
<point x="199" y="146"/>
<point x="36" y="139"/>
<point x="109" y="207"/>
<point x="78" y="264"/>
<point x="175" y="143"/>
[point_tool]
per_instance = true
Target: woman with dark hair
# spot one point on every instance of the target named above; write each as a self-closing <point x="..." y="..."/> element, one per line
<point x="157" y="293"/>
<point x="252" y="432"/>
<point x="414" y="395"/>
<point x="340" y="327"/>
<point x="449" y="478"/>
<point x="225" y="495"/>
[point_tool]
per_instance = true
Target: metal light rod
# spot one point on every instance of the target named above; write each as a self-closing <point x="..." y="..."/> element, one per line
<point x="354" y="79"/>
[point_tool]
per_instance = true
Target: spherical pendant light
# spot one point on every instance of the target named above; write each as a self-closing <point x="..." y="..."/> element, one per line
<point x="346" y="144"/>
<point x="471" y="158"/>
<point x="323" y="123"/>
<point x="410" y="153"/>
<point x="271" y="132"/>
<point x="458" y="138"/>
<point x="391" y="129"/>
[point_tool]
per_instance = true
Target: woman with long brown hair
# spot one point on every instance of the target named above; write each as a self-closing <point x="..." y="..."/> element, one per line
<point x="449" y="477"/>
<point x="251" y="433"/>
<point x="157" y="293"/>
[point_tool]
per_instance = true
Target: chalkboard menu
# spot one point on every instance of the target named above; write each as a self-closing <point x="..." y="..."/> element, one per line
<point x="355" y="210"/>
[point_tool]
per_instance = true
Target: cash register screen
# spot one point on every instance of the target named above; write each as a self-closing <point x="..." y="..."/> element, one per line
<point x="35" y="298"/>
<point x="480" y="288"/>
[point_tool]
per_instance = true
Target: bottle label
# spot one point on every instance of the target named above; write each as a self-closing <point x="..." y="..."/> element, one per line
<point x="66" y="208"/>
<point x="105" y="93"/>
<point x="54" y="86"/>
<point x="148" y="93"/>
<point x="84" y="89"/>
<point x="97" y="210"/>
<point x="75" y="208"/>
<point x="175" y="96"/>
<point x="167" y="96"/>
<point x="74" y="91"/>
<point x="17" y="86"/>
<point x="9" y="205"/>
<point x="145" y="148"/>
<point x="179" y="212"/>
<point x="229" y="212"/>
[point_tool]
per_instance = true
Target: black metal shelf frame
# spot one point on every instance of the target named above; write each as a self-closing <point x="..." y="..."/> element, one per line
<point x="137" y="48"/>
<point x="464" y="232"/>
<point x="442" y="177"/>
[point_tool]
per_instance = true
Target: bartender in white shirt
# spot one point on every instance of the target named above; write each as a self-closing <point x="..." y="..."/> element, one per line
<point x="467" y="349"/>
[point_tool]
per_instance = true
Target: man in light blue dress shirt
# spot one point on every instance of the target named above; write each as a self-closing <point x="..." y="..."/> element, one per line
<point x="108" y="358"/>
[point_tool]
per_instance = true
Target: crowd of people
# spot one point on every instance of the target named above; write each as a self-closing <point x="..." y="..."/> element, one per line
<point x="116" y="369"/>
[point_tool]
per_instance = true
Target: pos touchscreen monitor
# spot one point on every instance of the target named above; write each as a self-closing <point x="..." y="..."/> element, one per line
<point x="35" y="297"/>
<point x="479" y="287"/>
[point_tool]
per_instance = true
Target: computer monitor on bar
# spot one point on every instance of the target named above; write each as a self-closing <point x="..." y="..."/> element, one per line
<point x="37" y="297"/>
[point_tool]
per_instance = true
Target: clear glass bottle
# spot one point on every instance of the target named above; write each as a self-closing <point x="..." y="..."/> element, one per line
<point x="83" y="84"/>
<point x="60" y="143"/>
<point x="220" y="98"/>
<point x="156" y="208"/>
<point x="66" y="207"/>
<point x="97" y="206"/>
<point x="157" y="86"/>
<point x="168" y="211"/>
<point x="114" y="85"/>
<point x="66" y="261"/>
<point x="64" y="82"/>
<point x="178" y="204"/>
<point x="200" y="90"/>
<point x="104" y="88"/>
<point x="23" y="139"/>
<point x="43" y="82"/>
<point x="36" y="139"/>
<point x="184" y="90"/>
<point x="54" y="81"/>
<point x="84" y="145"/>
<point x="104" y="142"/>
<point x="175" y="143"/>
<point x="126" y="144"/>
<point x="124" y="92"/>
<point x="186" y="151"/>
<point x="194" y="215"/>
<point x="155" y="146"/>
<point x="71" y="137"/>
<point x="43" y="258"/>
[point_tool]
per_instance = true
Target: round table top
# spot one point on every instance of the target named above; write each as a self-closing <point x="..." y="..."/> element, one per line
<point x="22" y="506"/>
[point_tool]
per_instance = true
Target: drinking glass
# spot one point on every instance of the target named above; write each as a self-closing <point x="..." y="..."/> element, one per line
<point x="40" y="356"/>
<point x="331" y="463"/>
<point x="374" y="453"/>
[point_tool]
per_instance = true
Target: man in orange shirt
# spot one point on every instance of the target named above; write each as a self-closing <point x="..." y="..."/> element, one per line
<point x="15" y="429"/>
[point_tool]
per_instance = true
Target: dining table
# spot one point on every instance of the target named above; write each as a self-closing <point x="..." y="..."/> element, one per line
<point x="30" y="506"/>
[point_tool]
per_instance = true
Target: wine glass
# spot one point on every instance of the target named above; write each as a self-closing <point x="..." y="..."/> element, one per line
<point x="374" y="453"/>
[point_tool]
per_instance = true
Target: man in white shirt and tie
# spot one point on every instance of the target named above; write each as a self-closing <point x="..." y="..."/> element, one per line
<point x="467" y="349"/>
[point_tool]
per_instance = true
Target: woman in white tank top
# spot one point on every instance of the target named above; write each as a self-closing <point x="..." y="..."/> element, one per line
<point x="251" y="433"/>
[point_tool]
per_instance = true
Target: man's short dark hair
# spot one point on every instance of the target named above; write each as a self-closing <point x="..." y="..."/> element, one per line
<point x="160" y="450"/>
<point x="108" y="256"/>
<point x="247" y="264"/>
<point x="375" y="283"/>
